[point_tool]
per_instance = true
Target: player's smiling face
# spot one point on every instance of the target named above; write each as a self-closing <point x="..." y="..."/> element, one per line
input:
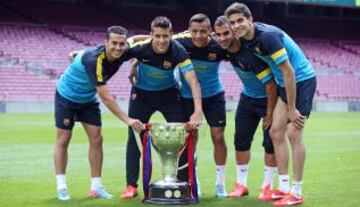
<point x="240" y="24"/>
<point x="224" y="35"/>
<point x="200" y="32"/>
<point x="161" y="38"/>
<point x="115" y="46"/>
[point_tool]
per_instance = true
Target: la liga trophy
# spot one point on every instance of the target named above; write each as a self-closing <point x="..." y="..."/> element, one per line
<point x="169" y="141"/>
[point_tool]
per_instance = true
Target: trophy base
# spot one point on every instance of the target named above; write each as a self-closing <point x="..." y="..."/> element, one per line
<point x="177" y="193"/>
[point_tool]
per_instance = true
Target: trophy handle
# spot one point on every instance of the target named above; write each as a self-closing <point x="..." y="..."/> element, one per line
<point x="200" y="132"/>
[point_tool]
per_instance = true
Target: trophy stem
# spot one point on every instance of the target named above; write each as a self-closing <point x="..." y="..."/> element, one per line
<point x="169" y="170"/>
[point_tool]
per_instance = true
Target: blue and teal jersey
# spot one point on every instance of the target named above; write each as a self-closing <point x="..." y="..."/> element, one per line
<point x="253" y="72"/>
<point x="206" y="63"/>
<point x="89" y="69"/>
<point x="274" y="46"/>
<point x="156" y="71"/>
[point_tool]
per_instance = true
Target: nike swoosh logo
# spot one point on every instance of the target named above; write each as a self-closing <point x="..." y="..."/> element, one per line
<point x="292" y="202"/>
<point x="221" y="121"/>
<point x="144" y="60"/>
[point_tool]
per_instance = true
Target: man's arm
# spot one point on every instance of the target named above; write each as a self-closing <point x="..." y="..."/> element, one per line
<point x="111" y="104"/>
<point x="195" y="118"/>
<point x="290" y="88"/>
<point x="271" y="92"/>
<point x="133" y="72"/>
<point x="137" y="38"/>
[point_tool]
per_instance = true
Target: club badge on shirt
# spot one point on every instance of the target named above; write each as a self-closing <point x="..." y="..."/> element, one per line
<point x="167" y="64"/>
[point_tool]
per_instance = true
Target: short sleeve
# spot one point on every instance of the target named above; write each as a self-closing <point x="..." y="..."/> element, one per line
<point x="273" y="46"/>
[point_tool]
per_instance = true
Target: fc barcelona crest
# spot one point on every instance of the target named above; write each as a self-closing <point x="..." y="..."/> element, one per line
<point x="212" y="56"/>
<point x="167" y="64"/>
<point x="66" y="121"/>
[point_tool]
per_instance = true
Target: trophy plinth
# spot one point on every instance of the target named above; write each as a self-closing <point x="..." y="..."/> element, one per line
<point x="169" y="193"/>
<point x="169" y="140"/>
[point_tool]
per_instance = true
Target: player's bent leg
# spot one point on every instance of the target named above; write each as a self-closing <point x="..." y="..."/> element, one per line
<point x="220" y="154"/>
<point x="277" y="134"/>
<point x="298" y="154"/>
<point x="298" y="150"/>
<point x="96" y="158"/>
<point x="246" y="123"/>
<point x="139" y="108"/>
<point x="95" y="149"/>
<point x="220" y="149"/>
<point x="63" y="138"/>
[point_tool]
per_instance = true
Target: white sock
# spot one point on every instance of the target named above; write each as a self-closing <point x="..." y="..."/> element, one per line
<point x="269" y="175"/>
<point x="284" y="185"/>
<point x="296" y="187"/>
<point x="61" y="181"/>
<point x="96" y="183"/>
<point x="220" y="175"/>
<point x="242" y="172"/>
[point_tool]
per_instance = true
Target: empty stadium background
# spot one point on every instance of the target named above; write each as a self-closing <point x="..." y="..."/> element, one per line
<point x="36" y="36"/>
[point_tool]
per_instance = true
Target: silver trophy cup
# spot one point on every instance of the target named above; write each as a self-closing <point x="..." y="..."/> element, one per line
<point x="169" y="140"/>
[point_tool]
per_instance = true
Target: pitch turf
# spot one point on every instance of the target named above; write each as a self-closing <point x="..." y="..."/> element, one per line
<point x="332" y="166"/>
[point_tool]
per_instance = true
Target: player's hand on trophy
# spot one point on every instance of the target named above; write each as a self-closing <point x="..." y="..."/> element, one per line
<point x="195" y="120"/>
<point x="296" y="118"/>
<point x="136" y="124"/>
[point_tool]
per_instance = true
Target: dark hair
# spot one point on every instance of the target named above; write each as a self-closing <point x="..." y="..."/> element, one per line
<point x="222" y="20"/>
<point x="116" y="30"/>
<point x="238" y="8"/>
<point x="162" y="22"/>
<point x="200" y="17"/>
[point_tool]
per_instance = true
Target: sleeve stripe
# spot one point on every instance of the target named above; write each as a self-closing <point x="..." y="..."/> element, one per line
<point x="184" y="63"/>
<point x="279" y="53"/>
<point x="99" y="68"/>
<point x="181" y="35"/>
<point x="142" y="42"/>
<point x="263" y="74"/>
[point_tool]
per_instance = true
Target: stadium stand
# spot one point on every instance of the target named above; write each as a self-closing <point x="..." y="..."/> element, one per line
<point x="34" y="45"/>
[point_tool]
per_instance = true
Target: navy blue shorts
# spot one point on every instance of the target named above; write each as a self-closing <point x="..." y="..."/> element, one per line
<point x="305" y="91"/>
<point x="67" y="112"/>
<point x="248" y="115"/>
<point x="144" y="103"/>
<point x="213" y="108"/>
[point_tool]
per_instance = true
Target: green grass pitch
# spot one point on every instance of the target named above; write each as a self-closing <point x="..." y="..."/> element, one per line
<point x="332" y="168"/>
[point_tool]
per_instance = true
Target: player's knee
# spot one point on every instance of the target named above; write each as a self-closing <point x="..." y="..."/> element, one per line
<point x="242" y="146"/>
<point x="293" y="133"/>
<point x="219" y="140"/>
<point x="96" y="140"/>
<point x="63" y="140"/>
<point x="277" y="134"/>
<point x="242" y="141"/>
<point x="294" y="138"/>
<point x="269" y="149"/>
